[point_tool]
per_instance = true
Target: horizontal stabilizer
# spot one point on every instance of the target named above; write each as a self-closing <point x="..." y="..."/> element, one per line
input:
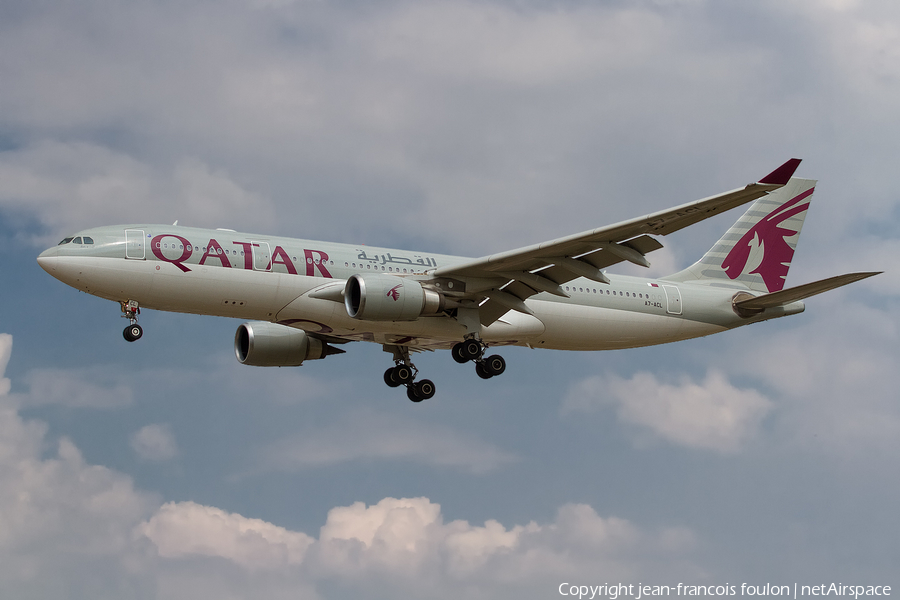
<point x="800" y="292"/>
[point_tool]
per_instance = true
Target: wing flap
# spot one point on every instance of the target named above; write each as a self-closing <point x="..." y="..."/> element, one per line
<point x="490" y="311"/>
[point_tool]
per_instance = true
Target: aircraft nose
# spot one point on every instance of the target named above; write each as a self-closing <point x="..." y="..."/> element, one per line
<point x="47" y="259"/>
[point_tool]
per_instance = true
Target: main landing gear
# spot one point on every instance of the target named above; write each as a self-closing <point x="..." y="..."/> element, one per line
<point x="134" y="331"/>
<point x="473" y="350"/>
<point x="404" y="373"/>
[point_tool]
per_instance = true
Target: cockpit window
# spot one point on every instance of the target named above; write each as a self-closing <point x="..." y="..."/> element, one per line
<point x="65" y="241"/>
<point x="76" y="240"/>
<point x="88" y="240"/>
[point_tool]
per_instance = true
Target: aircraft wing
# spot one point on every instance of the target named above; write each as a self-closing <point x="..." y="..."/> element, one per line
<point x="508" y="278"/>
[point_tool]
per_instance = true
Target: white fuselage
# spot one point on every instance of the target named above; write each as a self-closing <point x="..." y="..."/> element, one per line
<point x="257" y="277"/>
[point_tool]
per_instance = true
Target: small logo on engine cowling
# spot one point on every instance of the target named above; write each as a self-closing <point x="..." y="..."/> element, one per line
<point x="394" y="292"/>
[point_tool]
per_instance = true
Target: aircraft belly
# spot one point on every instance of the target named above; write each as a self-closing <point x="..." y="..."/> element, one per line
<point x="579" y="327"/>
<point x="513" y="327"/>
<point x="318" y="315"/>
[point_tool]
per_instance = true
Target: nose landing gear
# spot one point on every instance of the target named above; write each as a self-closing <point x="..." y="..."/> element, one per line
<point x="134" y="331"/>
<point x="404" y="373"/>
<point x="472" y="349"/>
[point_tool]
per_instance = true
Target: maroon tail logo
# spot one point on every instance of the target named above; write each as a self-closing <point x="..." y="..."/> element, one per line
<point x="771" y="239"/>
<point x="394" y="292"/>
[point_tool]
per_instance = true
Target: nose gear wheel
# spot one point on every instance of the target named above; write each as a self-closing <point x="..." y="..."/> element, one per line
<point x="131" y="310"/>
<point x="133" y="332"/>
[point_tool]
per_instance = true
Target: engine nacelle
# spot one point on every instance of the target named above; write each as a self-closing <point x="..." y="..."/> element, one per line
<point x="263" y="344"/>
<point x="389" y="298"/>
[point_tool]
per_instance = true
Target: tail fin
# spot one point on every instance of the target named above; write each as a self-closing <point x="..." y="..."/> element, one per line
<point x="757" y="251"/>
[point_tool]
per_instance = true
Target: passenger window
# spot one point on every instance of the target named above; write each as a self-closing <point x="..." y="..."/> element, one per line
<point x="65" y="241"/>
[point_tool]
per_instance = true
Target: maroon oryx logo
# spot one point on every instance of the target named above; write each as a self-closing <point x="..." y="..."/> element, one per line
<point x="768" y="237"/>
<point x="394" y="292"/>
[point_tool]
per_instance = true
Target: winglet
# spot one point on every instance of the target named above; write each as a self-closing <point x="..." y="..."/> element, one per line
<point x="782" y="174"/>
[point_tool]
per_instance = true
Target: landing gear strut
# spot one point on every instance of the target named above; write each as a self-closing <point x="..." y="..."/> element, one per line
<point x="134" y="331"/>
<point x="472" y="349"/>
<point x="404" y="373"/>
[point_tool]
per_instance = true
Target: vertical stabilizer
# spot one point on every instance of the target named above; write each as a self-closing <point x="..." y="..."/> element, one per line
<point x="757" y="251"/>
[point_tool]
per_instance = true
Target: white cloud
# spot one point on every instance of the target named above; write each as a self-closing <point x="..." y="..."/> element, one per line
<point x="80" y="530"/>
<point x="75" y="185"/>
<point x="498" y="43"/>
<point x="871" y="254"/>
<point x="186" y="528"/>
<point x="93" y="387"/>
<point x="155" y="442"/>
<point x="834" y="373"/>
<point x="416" y="115"/>
<point x="712" y="414"/>
<point x="5" y="353"/>
<point x="404" y="545"/>
<point x="366" y="436"/>
<point x="63" y="522"/>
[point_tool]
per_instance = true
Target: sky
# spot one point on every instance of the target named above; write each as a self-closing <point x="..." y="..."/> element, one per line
<point x="165" y="469"/>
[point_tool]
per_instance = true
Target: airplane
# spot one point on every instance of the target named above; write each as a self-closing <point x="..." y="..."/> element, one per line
<point x="305" y="298"/>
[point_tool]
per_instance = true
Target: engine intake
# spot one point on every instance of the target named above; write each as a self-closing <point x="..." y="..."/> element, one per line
<point x="262" y="344"/>
<point x="390" y="298"/>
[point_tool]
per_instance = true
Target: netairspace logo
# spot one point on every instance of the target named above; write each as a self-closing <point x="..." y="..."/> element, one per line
<point x="639" y="591"/>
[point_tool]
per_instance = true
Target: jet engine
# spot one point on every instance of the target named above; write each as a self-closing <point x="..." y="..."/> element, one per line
<point x="389" y="298"/>
<point x="262" y="344"/>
